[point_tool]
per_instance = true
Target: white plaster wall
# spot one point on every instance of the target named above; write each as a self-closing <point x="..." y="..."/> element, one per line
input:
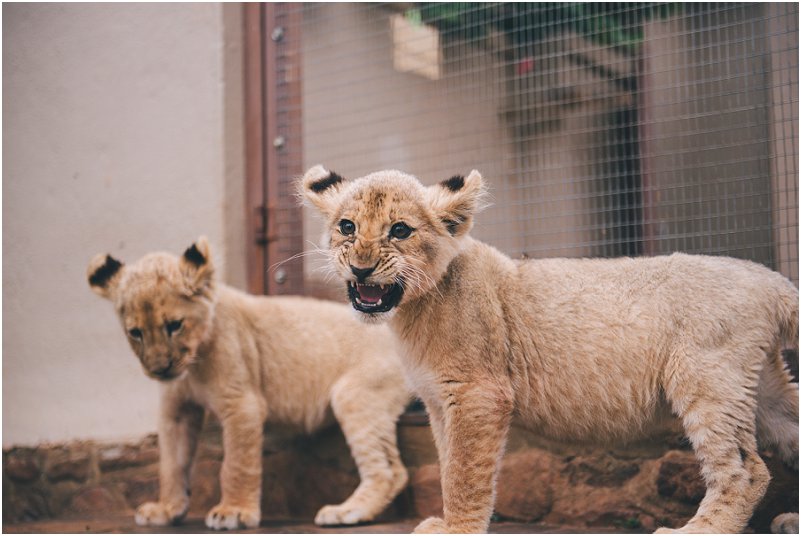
<point x="121" y="134"/>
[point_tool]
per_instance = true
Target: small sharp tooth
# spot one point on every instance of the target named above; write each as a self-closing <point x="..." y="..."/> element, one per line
<point x="380" y="301"/>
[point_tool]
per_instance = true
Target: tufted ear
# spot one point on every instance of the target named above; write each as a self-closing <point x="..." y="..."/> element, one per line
<point x="196" y="265"/>
<point x="320" y="187"/>
<point x="455" y="200"/>
<point x="104" y="273"/>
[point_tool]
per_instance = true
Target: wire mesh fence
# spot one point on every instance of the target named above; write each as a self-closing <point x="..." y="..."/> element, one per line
<point x="603" y="129"/>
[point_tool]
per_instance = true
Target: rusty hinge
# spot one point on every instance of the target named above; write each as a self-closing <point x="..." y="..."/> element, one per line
<point x="265" y="224"/>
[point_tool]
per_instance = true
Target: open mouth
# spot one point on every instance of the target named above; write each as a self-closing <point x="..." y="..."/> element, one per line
<point x="374" y="298"/>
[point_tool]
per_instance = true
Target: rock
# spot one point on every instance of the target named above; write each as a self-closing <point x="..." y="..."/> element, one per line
<point x="140" y="489"/>
<point x="68" y="464"/>
<point x="21" y="464"/>
<point x="426" y="491"/>
<point x="121" y="456"/>
<point x="96" y="499"/>
<point x="525" y="485"/>
<point x="25" y="505"/>
<point x="680" y="478"/>
<point x="601" y="470"/>
<point x="60" y="496"/>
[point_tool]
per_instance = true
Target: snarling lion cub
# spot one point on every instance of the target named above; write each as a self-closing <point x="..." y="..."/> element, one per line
<point x="578" y="349"/>
<point x="251" y="360"/>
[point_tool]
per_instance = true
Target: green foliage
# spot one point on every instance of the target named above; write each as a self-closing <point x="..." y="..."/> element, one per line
<point x="617" y="25"/>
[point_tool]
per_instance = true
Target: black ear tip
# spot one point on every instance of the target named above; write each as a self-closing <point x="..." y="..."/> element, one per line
<point x="194" y="256"/>
<point x="454" y="184"/>
<point x="325" y="183"/>
<point x="105" y="272"/>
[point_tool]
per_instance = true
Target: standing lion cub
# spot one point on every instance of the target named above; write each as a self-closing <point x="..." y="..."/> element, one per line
<point x="582" y="349"/>
<point x="251" y="360"/>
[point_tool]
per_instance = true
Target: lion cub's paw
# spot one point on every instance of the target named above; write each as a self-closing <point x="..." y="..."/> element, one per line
<point x="224" y="517"/>
<point x="341" y="515"/>
<point x="432" y="525"/>
<point x="158" y="514"/>
<point x="785" y="524"/>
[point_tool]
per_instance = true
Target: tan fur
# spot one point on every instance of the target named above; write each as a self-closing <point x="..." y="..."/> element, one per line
<point x="577" y="349"/>
<point x="250" y="361"/>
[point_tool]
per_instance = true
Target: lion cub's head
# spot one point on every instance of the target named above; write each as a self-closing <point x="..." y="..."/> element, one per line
<point x="165" y="304"/>
<point x="391" y="237"/>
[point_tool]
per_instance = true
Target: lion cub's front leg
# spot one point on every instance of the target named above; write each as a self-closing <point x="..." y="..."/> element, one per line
<point x="475" y="421"/>
<point x="240" y="478"/>
<point x="179" y="426"/>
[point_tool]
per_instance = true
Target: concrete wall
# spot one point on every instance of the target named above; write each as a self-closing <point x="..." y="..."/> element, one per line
<point x="121" y="134"/>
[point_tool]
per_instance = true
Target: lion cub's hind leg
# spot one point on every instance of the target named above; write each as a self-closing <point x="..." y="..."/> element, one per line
<point x="777" y="410"/>
<point x="717" y="405"/>
<point x="368" y="417"/>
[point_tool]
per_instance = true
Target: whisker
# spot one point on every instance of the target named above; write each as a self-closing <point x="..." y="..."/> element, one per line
<point x="296" y="256"/>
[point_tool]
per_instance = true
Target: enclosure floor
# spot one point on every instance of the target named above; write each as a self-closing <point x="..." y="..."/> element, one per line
<point x="195" y="525"/>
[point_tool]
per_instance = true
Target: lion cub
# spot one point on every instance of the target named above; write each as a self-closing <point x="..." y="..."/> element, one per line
<point x="252" y="360"/>
<point x="578" y="349"/>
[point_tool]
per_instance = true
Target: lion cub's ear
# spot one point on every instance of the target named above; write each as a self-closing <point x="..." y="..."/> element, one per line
<point x="455" y="200"/>
<point x="196" y="265"/>
<point x="321" y="187"/>
<point x="104" y="273"/>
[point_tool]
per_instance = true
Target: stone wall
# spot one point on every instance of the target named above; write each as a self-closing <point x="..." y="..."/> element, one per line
<point x="640" y="486"/>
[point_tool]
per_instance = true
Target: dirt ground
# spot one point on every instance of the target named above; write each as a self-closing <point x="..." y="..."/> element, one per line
<point x="195" y="525"/>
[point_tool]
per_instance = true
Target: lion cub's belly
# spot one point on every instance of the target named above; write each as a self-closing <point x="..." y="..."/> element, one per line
<point x="593" y="413"/>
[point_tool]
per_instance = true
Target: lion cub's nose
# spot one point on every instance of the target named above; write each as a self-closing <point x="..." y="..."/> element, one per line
<point x="163" y="371"/>
<point x="361" y="273"/>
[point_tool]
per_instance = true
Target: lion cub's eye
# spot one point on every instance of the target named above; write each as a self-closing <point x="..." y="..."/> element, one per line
<point x="173" y="326"/>
<point x="400" y="231"/>
<point x="135" y="333"/>
<point x="347" y="227"/>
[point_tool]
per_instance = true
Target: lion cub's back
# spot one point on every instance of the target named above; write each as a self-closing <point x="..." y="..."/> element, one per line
<point x="303" y="348"/>
<point x="321" y="330"/>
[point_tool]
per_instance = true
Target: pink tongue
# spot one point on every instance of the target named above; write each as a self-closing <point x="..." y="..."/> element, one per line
<point x="369" y="293"/>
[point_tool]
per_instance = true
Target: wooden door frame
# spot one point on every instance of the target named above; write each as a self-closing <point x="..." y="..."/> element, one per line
<point x="273" y="147"/>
